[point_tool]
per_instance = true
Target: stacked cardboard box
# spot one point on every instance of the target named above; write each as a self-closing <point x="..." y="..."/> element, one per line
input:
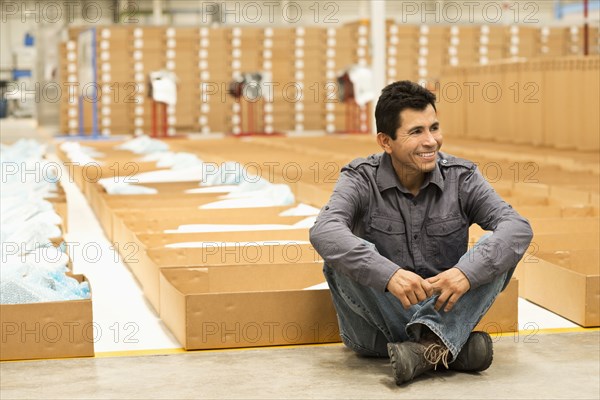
<point x="182" y="48"/>
<point x="148" y="49"/>
<point x="402" y="52"/>
<point x="533" y="90"/>
<point x="215" y="75"/>
<point x="47" y="330"/>
<point x="67" y="78"/>
<point x="117" y="88"/>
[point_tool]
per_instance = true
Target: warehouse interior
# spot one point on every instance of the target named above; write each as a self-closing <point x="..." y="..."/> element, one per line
<point x="163" y="161"/>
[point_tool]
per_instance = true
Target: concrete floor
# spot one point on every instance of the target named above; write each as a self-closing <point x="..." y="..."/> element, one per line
<point x="555" y="366"/>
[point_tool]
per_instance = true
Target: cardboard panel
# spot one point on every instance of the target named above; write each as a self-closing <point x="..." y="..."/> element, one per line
<point x="503" y="315"/>
<point x="47" y="330"/>
<point x="578" y="299"/>
<point x="146" y="266"/>
<point x="256" y="312"/>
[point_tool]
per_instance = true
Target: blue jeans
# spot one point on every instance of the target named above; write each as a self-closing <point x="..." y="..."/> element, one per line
<point x="369" y="319"/>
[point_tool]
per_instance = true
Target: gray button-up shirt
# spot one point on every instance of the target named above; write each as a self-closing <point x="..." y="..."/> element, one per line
<point x="426" y="234"/>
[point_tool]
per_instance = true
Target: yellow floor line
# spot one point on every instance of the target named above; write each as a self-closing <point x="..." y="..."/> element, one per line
<point x="551" y="330"/>
<point x="131" y="353"/>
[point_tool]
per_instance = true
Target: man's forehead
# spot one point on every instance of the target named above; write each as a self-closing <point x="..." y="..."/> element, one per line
<point x="410" y="117"/>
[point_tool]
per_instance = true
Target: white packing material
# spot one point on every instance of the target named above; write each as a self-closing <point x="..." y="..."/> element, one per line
<point x="21" y="150"/>
<point x="199" y="228"/>
<point x="49" y="257"/>
<point x="305" y="223"/>
<point x="121" y="188"/>
<point x="189" y="174"/>
<point x="178" y="161"/>
<point x="39" y="276"/>
<point x="157" y="156"/>
<point x="75" y="147"/>
<point x="211" y="189"/>
<point x="271" y="196"/>
<point x="30" y="235"/>
<point x="228" y="173"/>
<point x="30" y="191"/>
<point x="50" y="217"/>
<point x="211" y="245"/>
<point x="301" y="210"/>
<point x="143" y="144"/>
<point x="15" y="211"/>
<point x="318" y="286"/>
<point x="249" y="188"/>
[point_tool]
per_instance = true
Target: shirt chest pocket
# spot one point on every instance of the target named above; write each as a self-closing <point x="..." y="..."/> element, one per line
<point x="389" y="237"/>
<point x="445" y="227"/>
<point x="446" y="241"/>
<point x="387" y="226"/>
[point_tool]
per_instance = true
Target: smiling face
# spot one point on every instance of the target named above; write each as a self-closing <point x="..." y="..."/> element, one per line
<point x="414" y="152"/>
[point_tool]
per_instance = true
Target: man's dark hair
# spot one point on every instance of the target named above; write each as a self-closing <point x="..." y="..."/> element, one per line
<point x="396" y="97"/>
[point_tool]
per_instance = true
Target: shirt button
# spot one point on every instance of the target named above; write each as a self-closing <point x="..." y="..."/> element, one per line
<point x="389" y="228"/>
<point x="444" y="161"/>
<point x="416" y="236"/>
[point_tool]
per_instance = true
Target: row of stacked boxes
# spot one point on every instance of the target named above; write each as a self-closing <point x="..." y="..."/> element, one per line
<point x="304" y="64"/>
<point x="525" y="102"/>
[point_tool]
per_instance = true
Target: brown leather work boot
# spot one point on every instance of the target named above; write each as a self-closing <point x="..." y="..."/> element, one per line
<point x="411" y="359"/>
<point x="476" y="355"/>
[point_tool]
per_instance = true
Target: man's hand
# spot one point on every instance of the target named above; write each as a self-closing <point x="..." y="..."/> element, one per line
<point x="451" y="285"/>
<point x="409" y="288"/>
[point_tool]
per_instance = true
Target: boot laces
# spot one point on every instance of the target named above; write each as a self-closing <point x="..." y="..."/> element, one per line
<point x="434" y="353"/>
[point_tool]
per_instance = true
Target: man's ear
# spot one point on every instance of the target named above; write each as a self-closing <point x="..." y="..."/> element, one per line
<point x="384" y="141"/>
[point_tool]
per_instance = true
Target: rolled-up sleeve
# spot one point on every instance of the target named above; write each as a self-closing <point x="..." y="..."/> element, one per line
<point x="511" y="233"/>
<point x="334" y="240"/>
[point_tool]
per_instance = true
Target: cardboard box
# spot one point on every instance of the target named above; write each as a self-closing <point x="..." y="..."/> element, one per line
<point x="556" y="211"/>
<point x="565" y="241"/>
<point x="247" y="305"/>
<point x="503" y="315"/>
<point x="566" y="283"/>
<point x="126" y="222"/>
<point x="565" y="225"/>
<point x="146" y="265"/>
<point x="152" y="240"/>
<point x="47" y="330"/>
<point x="313" y="194"/>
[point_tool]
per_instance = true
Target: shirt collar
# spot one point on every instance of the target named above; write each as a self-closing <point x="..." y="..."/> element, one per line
<point x="387" y="178"/>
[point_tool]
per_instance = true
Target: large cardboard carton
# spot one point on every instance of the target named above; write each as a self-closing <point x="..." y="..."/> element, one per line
<point x="105" y="205"/>
<point x="126" y="223"/>
<point x="146" y="265"/>
<point x="503" y="315"/>
<point x="152" y="240"/>
<point x="565" y="241"/>
<point x="47" y="330"/>
<point x="247" y="305"/>
<point x="314" y="194"/>
<point x="566" y="283"/>
<point x="555" y="211"/>
<point x="565" y="225"/>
